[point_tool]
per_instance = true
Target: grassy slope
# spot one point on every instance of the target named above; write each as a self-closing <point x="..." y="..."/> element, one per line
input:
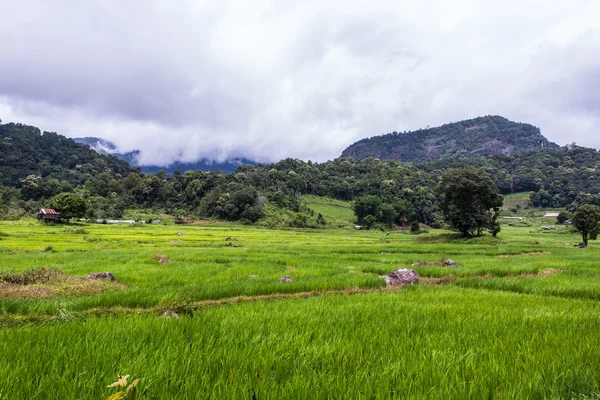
<point x="336" y="212"/>
<point x="516" y="199"/>
<point x="497" y="337"/>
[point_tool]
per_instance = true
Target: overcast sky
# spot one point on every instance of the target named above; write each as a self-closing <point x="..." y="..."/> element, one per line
<point x="304" y="79"/>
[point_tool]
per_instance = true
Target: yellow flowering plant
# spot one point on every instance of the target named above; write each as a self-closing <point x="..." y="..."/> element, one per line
<point x="128" y="394"/>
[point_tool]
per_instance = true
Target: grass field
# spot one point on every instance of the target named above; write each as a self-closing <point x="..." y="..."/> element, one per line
<point x="521" y="319"/>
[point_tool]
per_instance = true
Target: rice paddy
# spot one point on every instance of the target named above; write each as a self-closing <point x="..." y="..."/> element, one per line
<point x="201" y="312"/>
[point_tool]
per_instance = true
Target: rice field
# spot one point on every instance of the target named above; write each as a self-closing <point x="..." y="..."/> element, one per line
<point x="520" y="319"/>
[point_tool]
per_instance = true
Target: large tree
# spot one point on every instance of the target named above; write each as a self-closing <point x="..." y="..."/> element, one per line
<point x="587" y="221"/>
<point x="69" y="205"/>
<point x="470" y="200"/>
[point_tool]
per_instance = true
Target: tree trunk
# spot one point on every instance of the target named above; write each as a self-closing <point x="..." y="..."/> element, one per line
<point x="585" y="239"/>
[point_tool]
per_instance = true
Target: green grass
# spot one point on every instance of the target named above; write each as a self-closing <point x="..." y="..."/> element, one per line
<point x="516" y="199"/>
<point x="501" y="329"/>
<point x="338" y="213"/>
<point x="426" y="343"/>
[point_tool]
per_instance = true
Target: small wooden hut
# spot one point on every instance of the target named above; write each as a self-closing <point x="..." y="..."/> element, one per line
<point x="48" y="215"/>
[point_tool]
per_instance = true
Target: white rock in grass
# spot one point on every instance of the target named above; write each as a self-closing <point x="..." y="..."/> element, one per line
<point x="286" y="279"/>
<point x="452" y="263"/>
<point x="170" y="314"/>
<point x="402" y="276"/>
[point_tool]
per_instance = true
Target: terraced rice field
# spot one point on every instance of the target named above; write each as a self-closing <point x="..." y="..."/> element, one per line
<point x="521" y="319"/>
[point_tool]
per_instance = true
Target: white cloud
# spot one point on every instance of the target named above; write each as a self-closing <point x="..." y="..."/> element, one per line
<point x="267" y="79"/>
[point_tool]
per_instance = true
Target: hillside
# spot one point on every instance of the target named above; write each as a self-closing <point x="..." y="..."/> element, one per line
<point x="25" y="150"/>
<point x="478" y="137"/>
<point x="105" y="147"/>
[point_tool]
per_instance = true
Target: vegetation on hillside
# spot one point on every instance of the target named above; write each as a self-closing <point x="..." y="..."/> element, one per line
<point x="478" y="137"/>
<point x="57" y="160"/>
<point x="274" y="195"/>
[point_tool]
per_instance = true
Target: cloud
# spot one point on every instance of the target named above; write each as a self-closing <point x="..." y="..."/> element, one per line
<point x="267" y="80"/>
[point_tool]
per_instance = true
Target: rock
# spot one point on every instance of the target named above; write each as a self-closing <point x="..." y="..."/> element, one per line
<point x="402" y="276"/>
<point x="102" y="275"/>
<point x="452" y="263"/>
<point x="253" y="276"/>
<point x="286" y="279"/>
<point x="179" y="233"/>
<point x="170" y="314"/>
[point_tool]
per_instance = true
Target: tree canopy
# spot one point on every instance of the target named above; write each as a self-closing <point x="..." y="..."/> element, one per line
<point x="586" y="220"/>
<point x="470" y="200"/>
<point x="69" y="205"/>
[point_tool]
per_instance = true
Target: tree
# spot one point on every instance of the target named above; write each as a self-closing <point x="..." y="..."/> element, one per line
<point x="365" y="206"/>
<point x="70" y="205"/>
<point x="587" y="221"/>
<point x="469" y="198"/>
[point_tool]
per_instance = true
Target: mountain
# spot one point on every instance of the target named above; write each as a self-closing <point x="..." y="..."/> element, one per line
<point x="478" y="137"/>
<point x="25" y="151"/>
<point x="105" y="147"/>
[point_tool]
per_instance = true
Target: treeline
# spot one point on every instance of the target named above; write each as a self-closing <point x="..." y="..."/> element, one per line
<point x="556" y="177"/>
<point x="384" y="192"/>
<point x="250" y="192"/>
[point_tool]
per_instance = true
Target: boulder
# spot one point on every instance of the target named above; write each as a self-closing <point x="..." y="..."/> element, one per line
<point x="402" y="276"/>
<point x="286" y="279"/>
<point x="170" y="314"/>
<point x="452" y="263"/>
<point x="102" y="275"/>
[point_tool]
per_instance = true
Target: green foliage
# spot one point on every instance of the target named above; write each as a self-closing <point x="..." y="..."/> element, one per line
<point x="482" y="136"/>
<point x="25" y="151"/>
<point x="586" y="220"/>
<point x="367" y="206"/>
<point x="415" y="227"/>
<point x="371" y="209"/>
<point x="69" y="205"/>
<point x="563" y="216"/>
<point x="51" y="164"/>
<point x="469" y="195"/>
<point x="321" y="220"/>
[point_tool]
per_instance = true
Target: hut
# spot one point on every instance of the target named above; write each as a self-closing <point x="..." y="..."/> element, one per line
<point x="47" y="215"/>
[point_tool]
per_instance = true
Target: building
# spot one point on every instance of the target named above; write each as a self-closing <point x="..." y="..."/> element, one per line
<point x="47" y="215"/>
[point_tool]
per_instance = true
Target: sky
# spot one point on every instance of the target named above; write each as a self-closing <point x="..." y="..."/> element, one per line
<point x="192" y="79"/>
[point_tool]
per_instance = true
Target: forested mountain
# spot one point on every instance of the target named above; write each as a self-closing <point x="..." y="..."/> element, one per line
<point x="478" y="137"/>
<point x="25" y="151"/>
<point x="34" y="167"/>
<point x="105" y="147"/>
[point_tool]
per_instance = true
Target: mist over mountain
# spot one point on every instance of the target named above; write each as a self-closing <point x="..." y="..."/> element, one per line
<point x="133" y="157"/>
<point x="478" y="137"/>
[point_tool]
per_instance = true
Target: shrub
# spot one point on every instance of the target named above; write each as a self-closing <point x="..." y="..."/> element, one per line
<point x="415" y="227"/>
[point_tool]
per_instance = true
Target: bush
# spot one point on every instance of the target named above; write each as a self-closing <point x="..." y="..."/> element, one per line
<point x="415" y="227"/>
